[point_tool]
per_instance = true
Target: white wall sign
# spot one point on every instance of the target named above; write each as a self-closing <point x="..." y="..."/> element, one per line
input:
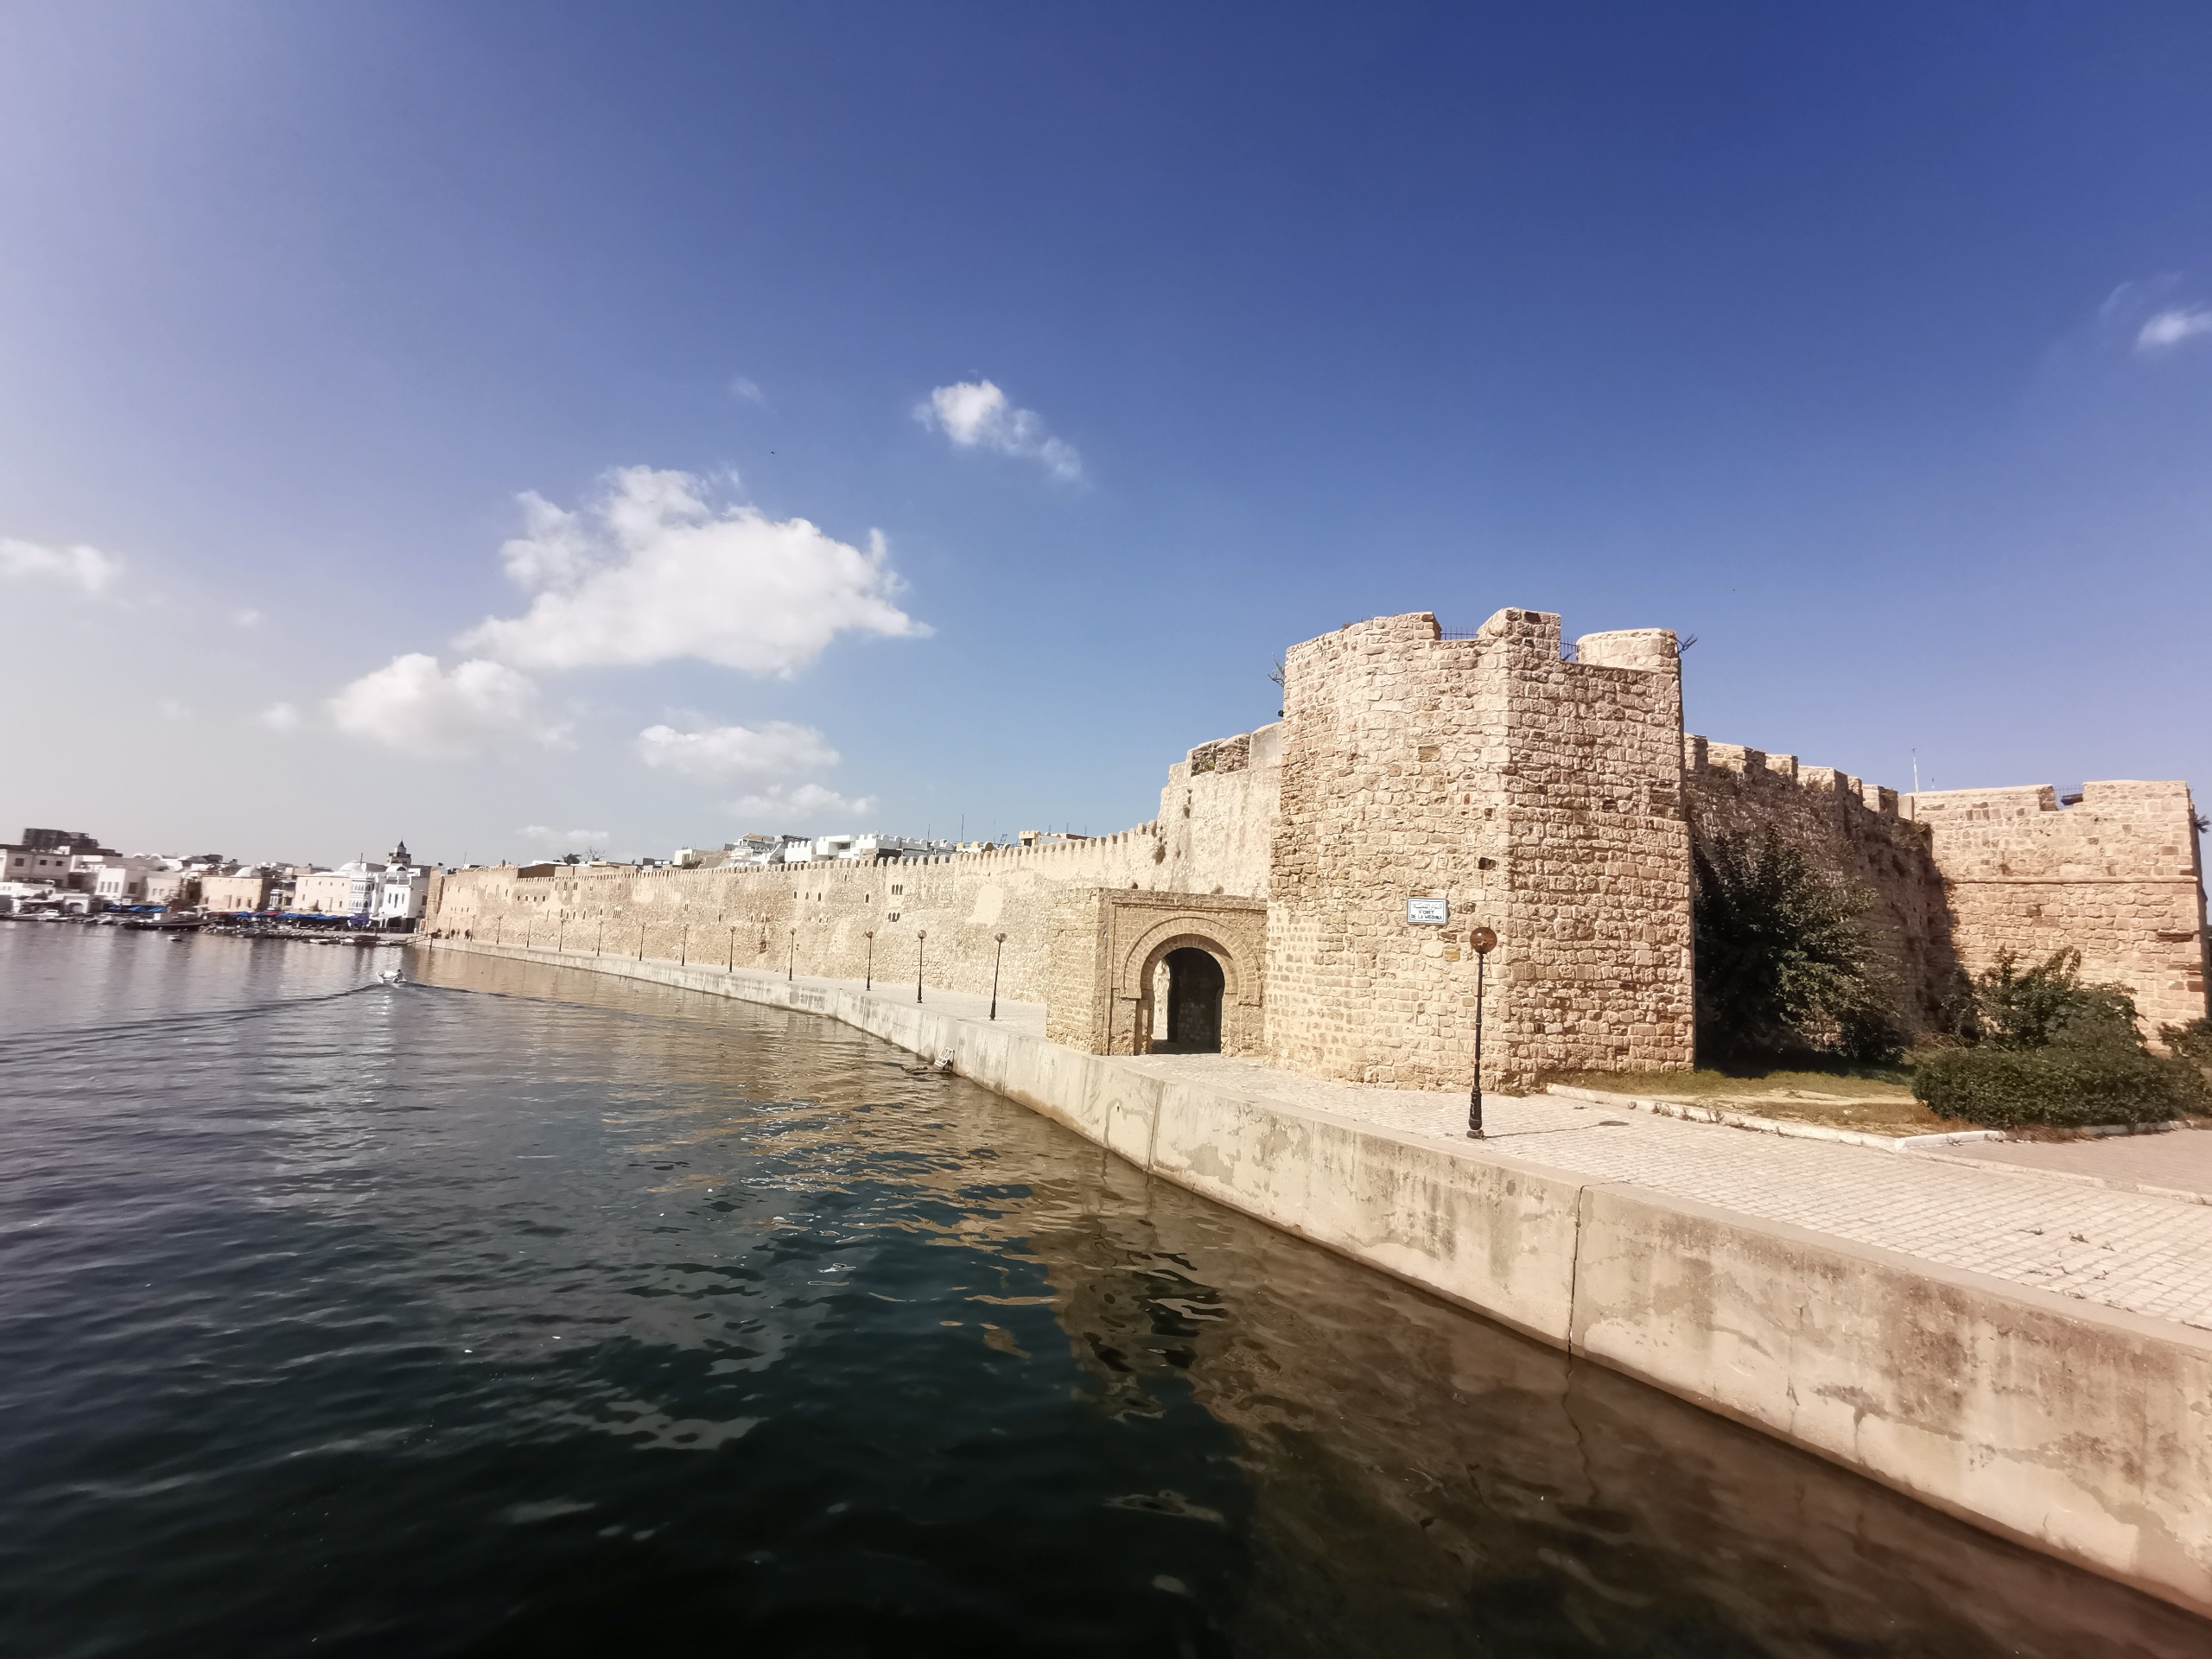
<point x="1428" y="912"/>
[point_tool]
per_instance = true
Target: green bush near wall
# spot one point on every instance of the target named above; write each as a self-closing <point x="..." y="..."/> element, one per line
<point x="2061" y="1088"/>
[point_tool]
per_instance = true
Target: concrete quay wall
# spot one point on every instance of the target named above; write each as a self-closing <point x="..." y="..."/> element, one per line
<point x="2079" y="1430"/>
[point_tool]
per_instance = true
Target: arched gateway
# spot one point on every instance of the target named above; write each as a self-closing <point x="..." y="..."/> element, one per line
<point x="1151" y="972"/>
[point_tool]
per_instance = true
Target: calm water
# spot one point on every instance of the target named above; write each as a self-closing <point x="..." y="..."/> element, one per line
<point x="520" y="1311"/>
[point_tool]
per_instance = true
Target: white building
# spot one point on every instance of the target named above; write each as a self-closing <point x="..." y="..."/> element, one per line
<point x="403" y="890"/>
<point x="119" y="879"/>
<point x="349" y="890"/>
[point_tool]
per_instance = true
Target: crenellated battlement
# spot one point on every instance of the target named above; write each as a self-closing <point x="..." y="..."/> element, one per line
<point x="1700" y="754"/>
<point x="1547" y="793"/>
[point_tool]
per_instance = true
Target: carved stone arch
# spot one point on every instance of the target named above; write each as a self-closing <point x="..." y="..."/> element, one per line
<point x="1148" y="953"/>
<point x="1107" y="943"/>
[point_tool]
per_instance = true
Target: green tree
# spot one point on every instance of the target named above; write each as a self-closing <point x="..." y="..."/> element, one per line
<point x="2047" y="1007"/>
<point x="1783" y="959"/>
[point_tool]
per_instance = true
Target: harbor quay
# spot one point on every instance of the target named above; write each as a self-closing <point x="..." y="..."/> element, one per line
<point x="1463" y="864"/>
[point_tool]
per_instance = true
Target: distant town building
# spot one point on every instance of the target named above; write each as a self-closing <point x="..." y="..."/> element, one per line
<point x="62" y="840"/>
<point x="177" y="884"/>
<point x="243" y="892"/>
<point x="24" y="861"/>
<point x="119" y="879"/>
<point x="349" y="890"/>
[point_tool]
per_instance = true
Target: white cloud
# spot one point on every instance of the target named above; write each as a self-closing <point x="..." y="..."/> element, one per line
<point x="566" y="841"/>
<point x="413" y="704"/>
<point x="86" y="569"/>
<point x="713" y="753"/>
<point x="2170" y="327"/>
<point x="781" y="763"/>
<point x="975" y="414"/>
<point x="651" y="572"/>
<point x="748" y="389"/>
<point x="280" y="717"/>
<point x="796" y="806"/>
<point x="246" y="618"/>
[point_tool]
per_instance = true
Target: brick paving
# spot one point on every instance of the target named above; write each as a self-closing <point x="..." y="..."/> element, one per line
<point x="2142" y="1252"/>
<point x="2176" y="1162"/>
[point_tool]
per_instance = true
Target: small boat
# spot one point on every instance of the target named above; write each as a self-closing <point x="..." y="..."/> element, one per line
<point x="391" y="977"/>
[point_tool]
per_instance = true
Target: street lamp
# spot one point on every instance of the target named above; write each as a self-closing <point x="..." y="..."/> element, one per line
<point x="1483" y="941"/>
<point x="641" y="941"/>
<point x="998" y="951"/>
<point x="683" y="947"/>
<point x="867" y="984"/>
<point x="731" y="967"/>
<point x="920" y="935"/>
<point x="599" y="940"/>
<point x="791" y="968"/>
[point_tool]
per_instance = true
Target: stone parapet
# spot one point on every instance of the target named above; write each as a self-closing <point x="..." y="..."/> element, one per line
<point x="1854" y="830"/>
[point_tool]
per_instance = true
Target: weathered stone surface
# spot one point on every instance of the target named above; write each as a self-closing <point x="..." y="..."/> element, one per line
<point x="1543" y="796"/>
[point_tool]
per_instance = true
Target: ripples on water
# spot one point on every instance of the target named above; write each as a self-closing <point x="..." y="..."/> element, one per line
<point x="524" y="1312"/>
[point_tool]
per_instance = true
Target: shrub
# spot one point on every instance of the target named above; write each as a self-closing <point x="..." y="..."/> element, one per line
<point x="1783" y="962"/>
<point x="2060" y="1086"/>
<point x="2049" y="1006"/>
<point x="2192" y="1042"/>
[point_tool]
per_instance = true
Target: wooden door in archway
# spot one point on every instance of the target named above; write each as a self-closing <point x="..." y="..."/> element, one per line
<point x="1195" y="984"/>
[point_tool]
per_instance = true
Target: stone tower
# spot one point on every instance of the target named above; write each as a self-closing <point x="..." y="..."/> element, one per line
<point x="1541" y="797"/>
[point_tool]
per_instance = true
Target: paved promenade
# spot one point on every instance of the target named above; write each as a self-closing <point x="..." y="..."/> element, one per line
<point x="2146" y="1253"/>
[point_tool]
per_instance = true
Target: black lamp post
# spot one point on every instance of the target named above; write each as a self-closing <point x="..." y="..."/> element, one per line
<point x="598" y="939"/>
<point x="867" y="983"/>
<point x="920" y="935"/>
<point x="731" y="965"/>
<point x="641" y="941"/>
<point x="998" y="950"/>
<point x="791" y="968"/>
<point x="684" y="947"/>
<point x="1483" y="941"/>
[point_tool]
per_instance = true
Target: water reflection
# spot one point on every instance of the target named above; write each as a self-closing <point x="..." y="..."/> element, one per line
<point x="521" y="1311"/>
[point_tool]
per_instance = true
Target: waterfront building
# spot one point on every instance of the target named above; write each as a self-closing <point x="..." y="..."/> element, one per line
<point x="119" y="879"/>
<point x="241" y="893"/>
<point x="349" y="890"/>
<point x="26" y="860"/>
<point x="177" y="884"/>
<point x="402" y="889"/>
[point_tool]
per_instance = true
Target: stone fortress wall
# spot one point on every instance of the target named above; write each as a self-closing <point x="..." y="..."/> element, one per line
<point x="1538" y="797"/>
<point x="2115" y="875"/>
<point x="1860" y="831"/>
<point x="1545" y="795"/>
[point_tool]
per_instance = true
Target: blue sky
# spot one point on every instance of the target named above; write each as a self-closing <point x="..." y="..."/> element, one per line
<point x="1870" y="344"/>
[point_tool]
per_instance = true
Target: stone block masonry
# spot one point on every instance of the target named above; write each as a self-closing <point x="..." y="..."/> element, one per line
<point x="2115" y="875"/>
<point x="1545" y="794"/>
<point x="1854" y="830"/>
<point x="1539" y="796"/>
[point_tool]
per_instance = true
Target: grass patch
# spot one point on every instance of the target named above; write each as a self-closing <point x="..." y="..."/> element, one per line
<point x="1873" y="1098"/>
